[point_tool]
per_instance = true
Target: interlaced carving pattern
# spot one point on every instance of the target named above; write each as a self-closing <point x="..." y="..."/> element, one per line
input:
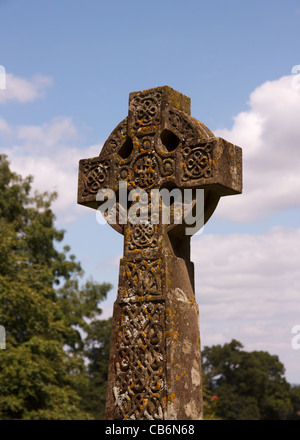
<point x="146" y="109"/>
<point x="139" y="390"/>
<point x="143" y="278"/>
<point x="197" y="162"/>
<point x="96" y="174"/>
<point x="142" y="236"/>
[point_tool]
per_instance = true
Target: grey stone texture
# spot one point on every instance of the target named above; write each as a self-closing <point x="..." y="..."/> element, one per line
<point x="155" y="362"/>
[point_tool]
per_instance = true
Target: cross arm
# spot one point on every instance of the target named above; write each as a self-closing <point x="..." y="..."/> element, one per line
<point x="213" y="163"/>
<point x="159" y="144"/>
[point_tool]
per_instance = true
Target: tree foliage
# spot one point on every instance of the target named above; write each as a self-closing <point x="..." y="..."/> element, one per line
<point x="97" y="352"/>
<point x="57" y="349"/>
<point x="249" y="385"/>
<point x="45" y="309"/>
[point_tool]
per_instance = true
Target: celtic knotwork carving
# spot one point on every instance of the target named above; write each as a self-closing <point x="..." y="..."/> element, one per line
<point x="146" y="144"/>
<point x="168" y="167"/>
<point x="139" y="391"/>
<point x="162" y="154"/>
<point x="142" y="235"/>
<point x="142" y="278"/>
<point x="180" y="124"/>
<point x="116" y="139"/>
<point x="125" y="173"/>
<point x="96" y="174"/>
<point x="197" y="162"/>
<point x="145" y="171"/>
<point x="146" y="109"/>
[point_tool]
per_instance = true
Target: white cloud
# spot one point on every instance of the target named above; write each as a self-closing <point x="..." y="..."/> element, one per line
<point x="48" y="138"/>
<point x="269" y="133"/>
<point x="50" y="153"/>
<point x="24" y="90"/>
<point x="5" y="129"/>
<point x="248" y="288"/>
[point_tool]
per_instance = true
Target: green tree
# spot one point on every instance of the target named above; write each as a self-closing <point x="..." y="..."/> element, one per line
<point x="45" y="309"/>
<point x="211" y="401"/>
<point x="250" y="385"/>
<point x="97" y="353"/>
<point x="295" y="398"/>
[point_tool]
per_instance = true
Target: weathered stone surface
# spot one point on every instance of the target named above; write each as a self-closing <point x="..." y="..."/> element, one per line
<point x="155" y="365"/>
<point x="159" y="144"/>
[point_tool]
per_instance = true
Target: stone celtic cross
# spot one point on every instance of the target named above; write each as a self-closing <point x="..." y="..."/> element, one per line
<point x="155" y="366"/>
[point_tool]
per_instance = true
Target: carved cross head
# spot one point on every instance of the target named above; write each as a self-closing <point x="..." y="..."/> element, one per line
<point x="160" y="145"/>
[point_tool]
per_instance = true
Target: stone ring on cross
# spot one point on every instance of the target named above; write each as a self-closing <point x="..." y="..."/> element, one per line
<point x="155" y="163"/>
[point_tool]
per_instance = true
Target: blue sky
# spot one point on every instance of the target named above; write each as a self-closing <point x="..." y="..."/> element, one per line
<point x="70" y="66"/>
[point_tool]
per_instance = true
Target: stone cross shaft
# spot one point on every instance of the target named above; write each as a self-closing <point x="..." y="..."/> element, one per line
<point x="155" y="366"/>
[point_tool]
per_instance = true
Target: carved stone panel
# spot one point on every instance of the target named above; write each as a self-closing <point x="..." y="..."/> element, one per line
<point x="144" y="112"/>
<point x="155" y="358"/>
<point x="141" y="279"/>
<point x="140" y="389"/>
<point x="116" y="139"/>
<point x="197" y="162"/>
<point x="141" y="237"/>
<point x="96" y="174"/>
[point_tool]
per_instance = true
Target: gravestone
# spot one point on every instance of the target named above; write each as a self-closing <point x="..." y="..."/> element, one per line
<point x="155" y="366"/>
